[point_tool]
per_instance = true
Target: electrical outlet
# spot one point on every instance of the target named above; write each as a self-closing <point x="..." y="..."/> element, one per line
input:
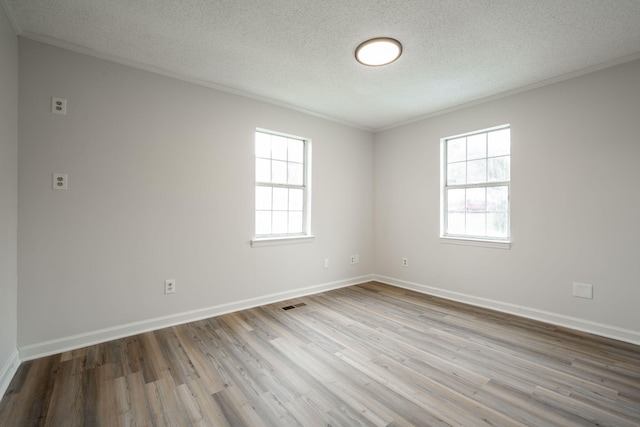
<point x="326" y="263"/>
<point x="355" y="259"/>
<point x="405" y="262"/>
<point x="58" y="106"/>
<point x="60" y="181"/>
<point x="170" y="286"/>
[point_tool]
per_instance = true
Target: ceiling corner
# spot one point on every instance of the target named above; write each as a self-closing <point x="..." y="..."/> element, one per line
<point x="11" y="16"/>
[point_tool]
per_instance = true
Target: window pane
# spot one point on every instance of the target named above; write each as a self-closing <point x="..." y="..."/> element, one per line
<point x="499" y="169"/>
<point x="295" y="222"/>
<point x="279" y="223"/>
<point x="280" y="199"/>
<point x="457" y="173"/>
<point x="477" y="146"/>
<point x="475" y="162"/>
<point x="263" y="222"/>
<point x="476" y="200"/>
<point x="295" y="173"/>
<point x="456" y="150"/>
<point x="455" y="223"/>
<point x="499" y="143"/>
<point x="477" y="171"/>
<point x="296" y="199"/>
<point x="296" y="151"/>
<point x="278" y="147"/>
<point x="263" y="145"/>
<point x="456" y="200"/>
<point x="497" y="225"/>
<point x="280" y="195"/>
<point x="263" y="198"/>
<point x="497" y="199"/>
<point x="278" y="172"/>
<point x="263" y="170"/>
<point x="476" y="224"/>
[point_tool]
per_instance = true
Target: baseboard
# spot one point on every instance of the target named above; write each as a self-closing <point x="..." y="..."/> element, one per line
<point x="7" y="371"/>
<point x="60" y="345"/>
<point x="47" y="348"/>
<point x="583" y="325"/>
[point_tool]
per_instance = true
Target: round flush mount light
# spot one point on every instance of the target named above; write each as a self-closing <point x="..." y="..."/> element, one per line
<point x="378" y="51"/>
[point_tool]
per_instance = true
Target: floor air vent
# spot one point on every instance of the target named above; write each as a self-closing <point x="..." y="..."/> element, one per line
<point x="291" y="307"/>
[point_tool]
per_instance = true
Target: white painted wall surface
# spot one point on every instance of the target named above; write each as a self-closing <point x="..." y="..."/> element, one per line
<point x="8" y="199"/>
<point x="575" y="202"/>
<point x="161" y="186"/>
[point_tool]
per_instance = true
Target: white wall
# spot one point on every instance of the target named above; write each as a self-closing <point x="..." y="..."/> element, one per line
<point x="575" y="205"/>
<point x="8" y="199"/>
<point x="161" y="187"/>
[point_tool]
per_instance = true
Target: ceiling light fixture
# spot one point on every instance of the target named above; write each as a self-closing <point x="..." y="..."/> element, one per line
<point x="378" y="51"/>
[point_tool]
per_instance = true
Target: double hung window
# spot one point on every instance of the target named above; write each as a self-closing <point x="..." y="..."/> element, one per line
<point x="282" y="185"/>
<point x="476" y="179"/>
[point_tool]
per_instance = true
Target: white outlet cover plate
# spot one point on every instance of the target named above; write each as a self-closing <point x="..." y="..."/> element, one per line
<point x="58" y="105"/>
<point x="60" y="181"/>
<point x="170" y="286"/>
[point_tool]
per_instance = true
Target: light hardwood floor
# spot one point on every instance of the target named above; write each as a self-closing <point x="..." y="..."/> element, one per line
<point x="364" y="355"/>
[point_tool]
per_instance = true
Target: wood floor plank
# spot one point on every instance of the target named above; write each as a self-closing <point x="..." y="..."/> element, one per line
<point x="182" y="369"/>
<point x="365" y="355"/>
<point x="585" y="411"/>
<point x="164" y="404"/>
<point x="106" y="408"/>
<point x="238" y="410"/>
<point x="67" y="399"/>
<point x="201" y="405"/>
<point x="30" y="392"/>
<point x="201" y="365"/>
<point x="196" y="414"/>
<point x="132" y="400"/>
<point x="155" y="365"/>
<point x="523" y="408"/>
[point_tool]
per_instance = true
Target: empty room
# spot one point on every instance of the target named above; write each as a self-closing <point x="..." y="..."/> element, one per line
<point x="329" y="213"/>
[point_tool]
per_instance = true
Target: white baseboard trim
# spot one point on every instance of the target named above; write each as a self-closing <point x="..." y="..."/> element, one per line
<point x="60" y="345"/>
<point x="583" y="325"/>
<point x="47" y="348"/>
<point x="7" y="371"/>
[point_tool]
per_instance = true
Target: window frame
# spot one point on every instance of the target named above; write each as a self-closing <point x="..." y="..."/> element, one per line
<point x="274" y="239"/>
<point x="468" y="239"/>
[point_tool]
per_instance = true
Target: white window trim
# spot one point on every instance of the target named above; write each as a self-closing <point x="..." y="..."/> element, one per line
<point x="259" y="241"/>
<point x="478" y="241"/>
<point x="468" y="241"/>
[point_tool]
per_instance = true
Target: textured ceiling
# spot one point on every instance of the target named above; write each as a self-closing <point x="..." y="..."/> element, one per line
<point x="299" y="53"/>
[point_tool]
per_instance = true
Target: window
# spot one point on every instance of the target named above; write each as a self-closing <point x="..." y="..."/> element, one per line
<point x="282" y="185"/>
<point x="476" y="169"/>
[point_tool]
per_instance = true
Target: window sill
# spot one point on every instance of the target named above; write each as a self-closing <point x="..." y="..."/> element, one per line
<point x="495" y="244"/>
<point x="260" y="242"/>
